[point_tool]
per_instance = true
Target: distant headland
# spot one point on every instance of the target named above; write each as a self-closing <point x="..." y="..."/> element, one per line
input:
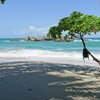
<point x="45" y="38"/>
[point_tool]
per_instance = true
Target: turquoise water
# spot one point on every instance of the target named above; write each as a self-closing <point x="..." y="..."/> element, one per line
<point x="8" y="44"/>
<point x="21" y="48"/>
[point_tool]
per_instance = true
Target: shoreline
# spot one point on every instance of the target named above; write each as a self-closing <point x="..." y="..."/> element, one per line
<point x="54" y="60"/>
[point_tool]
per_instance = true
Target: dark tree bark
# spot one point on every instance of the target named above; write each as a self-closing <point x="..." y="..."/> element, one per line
<point x="86" y="52"/>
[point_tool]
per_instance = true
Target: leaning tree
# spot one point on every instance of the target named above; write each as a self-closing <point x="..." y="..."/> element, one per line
<point x="78" y="25"/>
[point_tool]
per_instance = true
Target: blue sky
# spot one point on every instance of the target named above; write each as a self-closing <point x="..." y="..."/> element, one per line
<point x="21" y="18"/>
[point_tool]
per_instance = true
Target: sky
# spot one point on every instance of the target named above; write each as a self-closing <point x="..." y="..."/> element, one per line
<point x="22" y="18"/>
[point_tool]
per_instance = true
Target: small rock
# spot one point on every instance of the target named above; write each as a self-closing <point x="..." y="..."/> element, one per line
<point x="29" y="89"/>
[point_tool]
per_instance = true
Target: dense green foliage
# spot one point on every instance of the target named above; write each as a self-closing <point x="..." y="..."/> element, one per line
<point x="2" y="1"/>
<point x="55" y="30"/>
<point x="77" y="24"/>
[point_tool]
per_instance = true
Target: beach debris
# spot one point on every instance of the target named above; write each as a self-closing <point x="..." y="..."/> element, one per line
<point x="29" y="89"/>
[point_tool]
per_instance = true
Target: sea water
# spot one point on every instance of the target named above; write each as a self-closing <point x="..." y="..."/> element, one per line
<point x="20" y="49"/>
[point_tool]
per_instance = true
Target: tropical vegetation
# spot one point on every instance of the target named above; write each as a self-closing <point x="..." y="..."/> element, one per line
<point x="77" y="25"/>
<point x="2" y="1"/>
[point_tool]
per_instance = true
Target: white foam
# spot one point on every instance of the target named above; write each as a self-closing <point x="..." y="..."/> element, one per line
<point x="38" y="53"/>
<point x="77" y="41"/>
<point x="46" y="56"/>
<point x="28" y="53"/>
<point x="88" y="40"/>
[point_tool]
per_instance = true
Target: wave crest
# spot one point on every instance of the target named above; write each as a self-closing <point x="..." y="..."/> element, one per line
<point x="27" y="53"/>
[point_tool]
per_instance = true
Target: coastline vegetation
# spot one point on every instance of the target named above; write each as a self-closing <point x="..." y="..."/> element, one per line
<point x="77" y="25"/>
<point x="38" y="80"/>
<point x="2" y="1"/>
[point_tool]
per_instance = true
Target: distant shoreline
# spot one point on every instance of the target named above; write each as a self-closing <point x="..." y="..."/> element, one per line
<point x="25" y="38"/>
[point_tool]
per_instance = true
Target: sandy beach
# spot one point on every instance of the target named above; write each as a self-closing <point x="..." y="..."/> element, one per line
<point x="34" y="80"/>
<point x="50" y="50"/>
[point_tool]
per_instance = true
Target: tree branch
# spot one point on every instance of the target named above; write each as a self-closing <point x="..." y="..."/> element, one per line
<point x="86" y="52"/>
<point x="94" y="58"/>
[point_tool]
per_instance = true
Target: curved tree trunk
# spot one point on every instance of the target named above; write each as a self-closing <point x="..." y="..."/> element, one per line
<point x="89" y="53"/>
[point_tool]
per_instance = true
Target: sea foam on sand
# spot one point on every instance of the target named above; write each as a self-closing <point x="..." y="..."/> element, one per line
<point x="46" y="56"/>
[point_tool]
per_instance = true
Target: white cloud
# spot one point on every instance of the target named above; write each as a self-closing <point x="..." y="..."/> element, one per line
<point x="32" y="30"/>
<point x="13" y="31"/>
<point x="40" y="30"/>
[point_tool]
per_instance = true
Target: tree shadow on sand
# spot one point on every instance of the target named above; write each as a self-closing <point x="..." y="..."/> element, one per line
<point x="48" y="81"/>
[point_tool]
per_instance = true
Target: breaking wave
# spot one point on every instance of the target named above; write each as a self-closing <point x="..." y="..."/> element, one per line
<point x="28" y="53"/>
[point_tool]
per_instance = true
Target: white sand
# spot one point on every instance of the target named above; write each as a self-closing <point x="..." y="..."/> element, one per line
<point x="55" y="60"/>
<point x="58" y="80"/>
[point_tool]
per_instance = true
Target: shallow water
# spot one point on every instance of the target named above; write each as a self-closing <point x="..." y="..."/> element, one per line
<point x="21" y="49"/>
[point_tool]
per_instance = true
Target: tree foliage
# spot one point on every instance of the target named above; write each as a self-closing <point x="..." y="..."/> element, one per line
<point x="77" y="24"/>
<point x="54" y="33"/>
<point x="80" y="23"/>
<point x="2" y="1"/>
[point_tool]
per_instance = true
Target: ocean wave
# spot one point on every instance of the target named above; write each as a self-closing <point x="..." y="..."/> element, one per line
<point x="27" y="53"/>
<point x="77" y="41"/>
<point x="13" y="40"/>
<point x="88" y="40"/>
<point x="93" y="40"/>
<point x="4" y="40"/>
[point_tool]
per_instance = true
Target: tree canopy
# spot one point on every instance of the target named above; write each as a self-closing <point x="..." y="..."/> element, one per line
<point x="77" y="24"/>
<point x="55" y="30"/>
<point x="2" y="1"/>
<point x="80" y="23"/>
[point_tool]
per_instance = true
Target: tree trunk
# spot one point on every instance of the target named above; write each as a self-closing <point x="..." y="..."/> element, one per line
<point x="82" y="40"/>
<point x="94" y="58"/>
